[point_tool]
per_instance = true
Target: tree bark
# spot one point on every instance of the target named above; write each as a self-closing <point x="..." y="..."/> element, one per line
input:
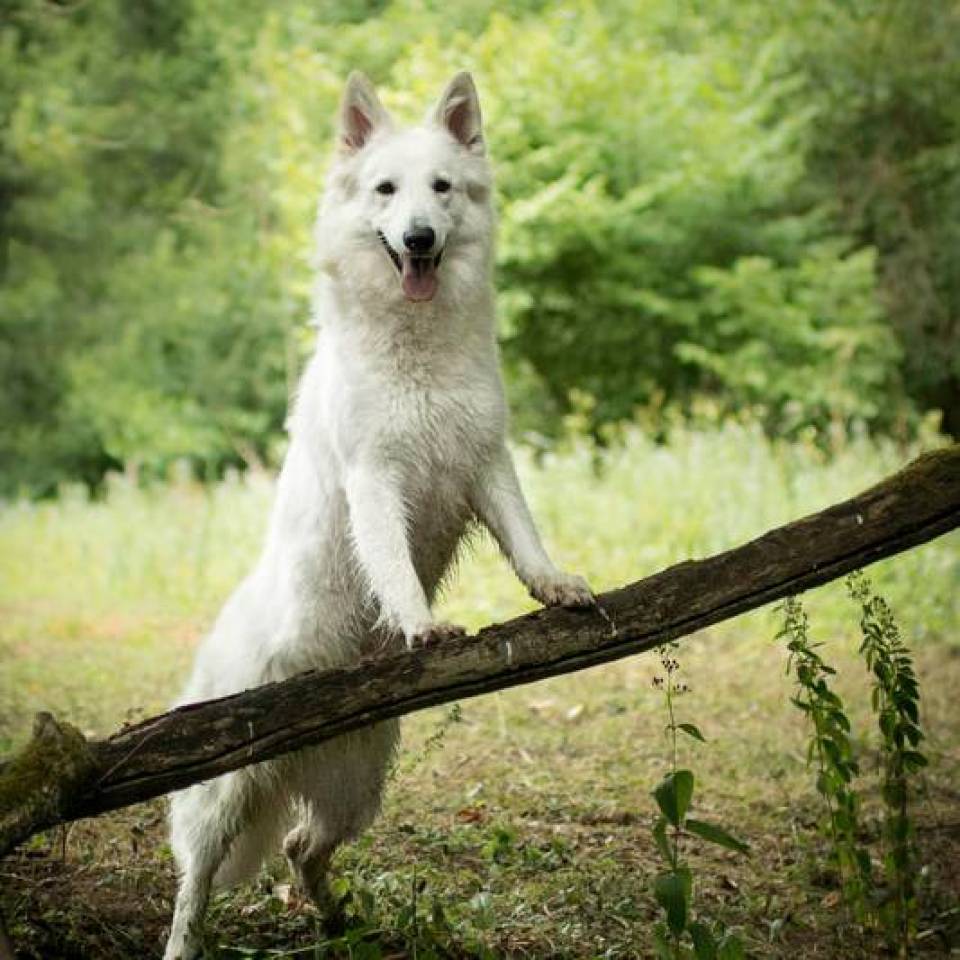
<point x="59" y="776"/>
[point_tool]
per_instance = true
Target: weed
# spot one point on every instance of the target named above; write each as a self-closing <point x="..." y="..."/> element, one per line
<point x="673" y="888"/>
<point x="829" y="746"/>
<point x="452" y="715"/>
<point x="890" y="900"/>
<point x="895" y="699"/>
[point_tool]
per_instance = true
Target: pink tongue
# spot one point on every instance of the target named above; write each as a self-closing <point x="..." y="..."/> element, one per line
<point x="419" y="278"/>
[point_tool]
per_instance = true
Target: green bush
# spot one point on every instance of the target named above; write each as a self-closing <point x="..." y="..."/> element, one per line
<point x="685" y="211"/>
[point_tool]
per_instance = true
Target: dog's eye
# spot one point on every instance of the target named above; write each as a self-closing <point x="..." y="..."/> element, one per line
<point x="386" y="187"/>
<point x="441" y="185"/>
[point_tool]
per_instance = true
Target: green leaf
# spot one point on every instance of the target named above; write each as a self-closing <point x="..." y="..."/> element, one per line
<point x="714" y="834"/>
<point x="691" y="731"/>
<point x="673" y="795"/>
<point x="913" y="760"/>
<point x="894" y="793"/>
<point x="908" y="706"/>
<point x="661" y="942"/>
<point x="704" y="942"/>
<point x="913" y="734"/>
<point x="660" y="838"/>
<point x="361" y="951"/>
<point x="832" y="751"/>
<point x="731" y="948"/>
<point x="672" y="891"/>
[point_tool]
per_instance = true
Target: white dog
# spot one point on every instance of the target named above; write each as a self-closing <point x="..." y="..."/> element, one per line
<point x="397" y="447"/>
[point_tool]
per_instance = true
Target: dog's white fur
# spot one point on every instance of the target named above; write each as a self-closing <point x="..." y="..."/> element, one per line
<point x="397" y="446"/>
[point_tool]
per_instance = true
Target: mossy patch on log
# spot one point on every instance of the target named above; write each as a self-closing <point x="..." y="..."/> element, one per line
<point x="35" y="782"/>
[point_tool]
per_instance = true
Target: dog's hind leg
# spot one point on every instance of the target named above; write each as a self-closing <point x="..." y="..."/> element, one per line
<point x="309" y="849"/>
<point x="204" y="821"/>
<point x="340" y="786"/>
<point x="257" y="842"/>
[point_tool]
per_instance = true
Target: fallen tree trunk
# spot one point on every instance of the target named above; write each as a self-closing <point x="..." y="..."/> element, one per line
<point x="59" y="776"/>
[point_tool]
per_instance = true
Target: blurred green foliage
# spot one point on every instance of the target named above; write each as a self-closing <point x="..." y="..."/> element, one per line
<point x="756" y="202"/>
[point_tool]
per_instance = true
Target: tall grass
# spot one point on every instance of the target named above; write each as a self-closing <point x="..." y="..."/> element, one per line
<point x="120" y="588"/>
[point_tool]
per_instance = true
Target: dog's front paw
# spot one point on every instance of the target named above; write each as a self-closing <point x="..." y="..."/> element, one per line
<point x="427" y="634"/>
<point x="562" y="590"/>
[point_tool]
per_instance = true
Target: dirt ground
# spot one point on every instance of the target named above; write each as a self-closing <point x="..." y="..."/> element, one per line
<point x="521" y="827"/>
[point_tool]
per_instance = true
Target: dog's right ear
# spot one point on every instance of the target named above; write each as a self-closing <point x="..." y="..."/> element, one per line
<point x="361" y="114"/>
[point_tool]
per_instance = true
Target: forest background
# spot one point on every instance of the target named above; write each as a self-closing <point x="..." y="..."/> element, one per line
<point x="749" y="204"/>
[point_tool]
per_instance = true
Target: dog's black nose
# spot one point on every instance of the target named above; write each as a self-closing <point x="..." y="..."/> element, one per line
<point x="420" y="239"/>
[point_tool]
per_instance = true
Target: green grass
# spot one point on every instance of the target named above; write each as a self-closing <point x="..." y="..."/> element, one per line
<point x="523" y="829"/>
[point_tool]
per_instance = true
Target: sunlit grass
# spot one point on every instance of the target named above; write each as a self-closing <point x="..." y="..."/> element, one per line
<point x="102" y="601"/>
<point x="528" y="822"/>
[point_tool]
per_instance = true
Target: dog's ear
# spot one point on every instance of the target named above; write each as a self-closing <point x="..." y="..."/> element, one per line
<point x="361" y="114"/>
<point x="459" y="111"/>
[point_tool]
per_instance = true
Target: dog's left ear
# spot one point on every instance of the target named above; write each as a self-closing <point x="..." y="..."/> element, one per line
<point x="459" y="111"/>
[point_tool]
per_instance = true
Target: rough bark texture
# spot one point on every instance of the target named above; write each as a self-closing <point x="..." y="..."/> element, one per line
<point x="60" y="777"/>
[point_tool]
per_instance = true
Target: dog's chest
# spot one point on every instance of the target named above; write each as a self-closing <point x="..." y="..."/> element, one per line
<point x="435" y="441"/>
<point x="437" y="436"/>
<point x="429" y="419"/>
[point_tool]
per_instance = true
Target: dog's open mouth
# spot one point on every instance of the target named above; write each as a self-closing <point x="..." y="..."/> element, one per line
<point x="418" y="275"/>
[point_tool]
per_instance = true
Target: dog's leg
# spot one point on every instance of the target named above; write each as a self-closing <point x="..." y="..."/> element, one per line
<point x="192" y="897"/>
<point x="340" y="786"/>
<point x="203" y="822"/>
<point x="309" y="852"/>
<point x="500" y="505"/>
<point x="378" y="524"/>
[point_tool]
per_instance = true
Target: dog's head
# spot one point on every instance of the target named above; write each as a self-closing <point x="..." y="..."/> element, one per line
<point x="406" y="210"/>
